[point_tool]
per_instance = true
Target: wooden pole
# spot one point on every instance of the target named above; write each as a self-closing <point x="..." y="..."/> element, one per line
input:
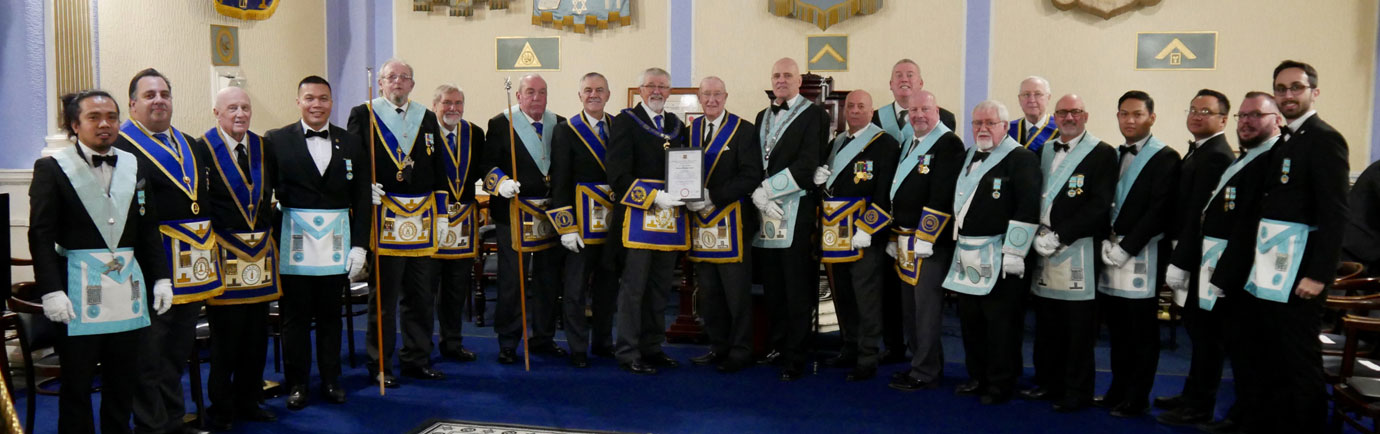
<point x="515" y="223"/>
<point x="373" y="228"/>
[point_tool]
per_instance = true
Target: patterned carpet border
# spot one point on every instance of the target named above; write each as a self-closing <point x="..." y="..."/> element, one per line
<point x="452" y="426"/>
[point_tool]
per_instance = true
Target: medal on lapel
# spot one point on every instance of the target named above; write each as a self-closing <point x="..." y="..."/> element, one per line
<point x="1284" y="172"/>
<point x="1073" y="186"/>
<point x="862" y="171"/>
<point x="1230" y="197"/>
<point x="428" y="143"/>
<point x="141" y="205"/>
<point x="925" y="164"/>
<point x="996" y="188"/>
<point x="349" y="169"/>
<point x="196" y="208"/>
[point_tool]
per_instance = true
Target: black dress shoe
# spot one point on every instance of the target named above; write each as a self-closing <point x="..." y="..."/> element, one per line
<point x="972" y="387"/>
<point x="910" y="384"/>
<point x="389" y="381"/>
<point x="1104" y="401"/>
<point x="1129" y="410"/>
<point x="550" y="349"/>
<point x="219" y="423"/>
<point x="861" y="374"/>
<point x="579" y="360"/>
<point x="1036" y="394"/>
<point x="637" y="367"/>
<point x="729" y="366"/>
<point x="423" y="372"/>
<point x="660" y="360"/>
<point x="791" y="374"/>
<point x="256" y="414"/>
<point x="507" y="356"/>
<point x="1224" y="426"/>
<point x="772" y="358"/>
<point x="841" y="361"/>
<point x="460" y="355"/>
<point x="188" y="429"/>
<point x="1169" y="402"/>
<point x="1184" y="416"/>
<point x="992" y="399"/>
<point x="333" y="393"/>
<point x="1069" y="405"/>
<point x="708" y="358"/>
<point x="297" y="398"/>
<point x="600" y="351"/>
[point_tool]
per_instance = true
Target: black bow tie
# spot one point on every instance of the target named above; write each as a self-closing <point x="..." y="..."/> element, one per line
<point x="779" y="108"/>
<point x="1131" y="149"/>
<point x="325" y="134"/>
<point x="980" y="155"/>
<point x="98" y="160"/>
<point x="1061" y="147"/>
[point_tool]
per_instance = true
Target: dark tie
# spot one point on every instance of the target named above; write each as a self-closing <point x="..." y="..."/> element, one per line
<point x="537" y="126"/>
<point x="1031" y="133"/>
<point x="603" y="135"/>
<point x="978" y="156"/>
<point x="450" y="139"/>
<point x="1286" y="132"/>
<point x="162" y="138"/>
<point x="778" y="108"/>
<point x="901" y="118"/>
<point x="325" y="134"/>
<point x="398" y="110"/>
<point x="657" y="119"/>
<point x="1128" y="149"/>
<point x="242" y="158"/>
<point x="708" y="137"/>
<point x="1061" y="147"/>
<point x="98" y="160"/>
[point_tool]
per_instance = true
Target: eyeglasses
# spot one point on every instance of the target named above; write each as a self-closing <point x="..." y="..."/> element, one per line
<point x="657" y="87"/>
<point x="1201" y="112"/>
<point x="986" y="124"/>
<point x="1063" y="113"/>
<point x="398" y="77"/>
<point x="1252" y="116"/>
<point x="1296" y="89"/>
<point x="1031" y="95"/>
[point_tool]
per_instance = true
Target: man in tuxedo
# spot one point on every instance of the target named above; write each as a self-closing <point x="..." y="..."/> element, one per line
<point x="85" y="200"/>
<point x="240" y="206"/>
<point x="792" y="133"/>
<point x="1229" y="222"/>
<point x="922" y="208"/>
<point x="411" y="186"/>
<point x="323" y="191"/>
<point x="1079" y="172"/>
<point x="1034" y="129"/>
<point x="1128" y="285"/>
<point x="176" y="185"/>
<point x="654" y="225"/>
<point x="854" y="189"/>
<point x="531" y="132"/>
<point x="1208" y="156"/>
<point x="1305" y="189"/>
<point x="997" y="201"/>
<point x="457" y="244"/>
<point x="580" y="209"/>
<point x="723" y="267"/>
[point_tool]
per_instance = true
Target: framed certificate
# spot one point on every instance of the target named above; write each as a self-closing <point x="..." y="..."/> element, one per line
<point x="685" y="173"/>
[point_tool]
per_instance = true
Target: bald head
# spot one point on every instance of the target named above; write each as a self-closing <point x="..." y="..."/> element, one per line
<point x="1071" y="116"/>
<point x="531" y="95"/>
<point x="922" y="112"/>
<point x="785" y="79"/>
<point x="232" y="112"/>
<point x="395" y="81"/>
<point x="857" y="108"/>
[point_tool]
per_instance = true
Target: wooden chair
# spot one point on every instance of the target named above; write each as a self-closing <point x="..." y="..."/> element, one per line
<point x="1355" y="398"/>
<point x="35" y="333"/>
<point x="1336" y="367"/>
<point x="354" y="294"/>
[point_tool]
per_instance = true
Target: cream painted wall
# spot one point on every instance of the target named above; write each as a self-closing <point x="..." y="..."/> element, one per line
<point x="274" y="55"/>
<point x="461" y="51"/>
<point x="1083" y="54"/>
<point x="740" y="44"/>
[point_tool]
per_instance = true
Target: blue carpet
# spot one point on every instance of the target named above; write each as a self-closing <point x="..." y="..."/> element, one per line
<point x="689" y="399"/>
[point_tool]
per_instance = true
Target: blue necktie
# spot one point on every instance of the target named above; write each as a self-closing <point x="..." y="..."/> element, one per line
<point x="537" y="126"/>
<point x="163" y="138"/>
<point x="657" y="119"/>
<point x="602" y="135"/>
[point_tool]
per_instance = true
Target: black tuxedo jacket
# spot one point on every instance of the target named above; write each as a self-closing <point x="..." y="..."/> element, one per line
<point x="1362" y="242"/>
<point x="299" y="185"/>
<point x="934" y="190"/>
<point x="882" y="154"/>
<point x="737" y="174"/>
<point x="945" y="117"/>
<point x="573" y="163"/>
<point x="803" y="146"/>
<point x="497" y="154"/>
<point x="1087" y="214"/>
<point x="1319" y="174"/>
<point x="477" y="165"/>
<point x="1019" y="199"/>
<point x="58" y="218"/>
<point x="224" y="210"/>
<point x="1149" y="206"/>
<point x="1237" y="226"/>
<point x="165" y="198"/>
<point x="1198" y="175"/>
<point x="428" y="172"/>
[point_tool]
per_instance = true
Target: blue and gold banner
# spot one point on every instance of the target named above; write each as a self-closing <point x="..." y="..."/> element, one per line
<point x="493" y="179"/>
<point x="456" y="240"/>
<point x="406" y="224"/>
<point x="192" y="255"/>
<point x="823" y="13"/>
<point x="593" y="203"/>
<point x="249" y="265"/>
<point x="650" y="228"/>
<point x="838" y="219"/>
<point x="537" y="232"/>
<point x="247" y="9"/>
<point x="579" y="15"/>
<point x="718" y="236"/>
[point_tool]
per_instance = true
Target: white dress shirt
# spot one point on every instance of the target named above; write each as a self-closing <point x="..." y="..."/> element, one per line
<point x="103" y="172"/>
<point x="319" y="148"/>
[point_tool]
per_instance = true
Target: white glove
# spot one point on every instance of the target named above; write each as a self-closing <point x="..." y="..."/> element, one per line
<point x="861" y="240"/>
<point x="509" y="188"/>
<point x="773" y="210"/>
<point x="162" y="296"/>
<point x="354" y="264"/>
<point x="572" y="242"/>
<point x="377" y="190"/>
<point x="1214" y="290"/>
<point x="442" y="221"/>
<point x="1176" y="278"/>
<point x="924" y="249"/>
<point x="1047" y="244"/>
<point x="1114" y="255"/>
<point x="664" y="200"/>
<point x="760" y="199"/>
<point x="58" y="308"/>
<point x="822" y="174"/>
<point x="701" y="204"/>
<point x="1012" y="265"/>
<point x="891" y="249"/>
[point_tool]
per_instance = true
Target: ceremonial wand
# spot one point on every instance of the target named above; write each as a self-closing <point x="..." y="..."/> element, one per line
<point x="515" y="222"/>
<point x="373" y="226"/>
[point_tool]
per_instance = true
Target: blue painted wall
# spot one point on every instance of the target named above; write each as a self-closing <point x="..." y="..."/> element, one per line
<point x="359" y="34"/>
<point x="23" y="91"/>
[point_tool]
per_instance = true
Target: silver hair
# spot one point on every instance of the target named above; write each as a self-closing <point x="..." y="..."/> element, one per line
<point x="590" y="75"/>
<point x="993" y="104"/>
<point x="1043" y="83"/>
<point x="444" y="89"/>
<point x="522" y="82"/>
<point x="399" y="61"/>
<point x="715" y="78"/>
<point x="654" y="71"/>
